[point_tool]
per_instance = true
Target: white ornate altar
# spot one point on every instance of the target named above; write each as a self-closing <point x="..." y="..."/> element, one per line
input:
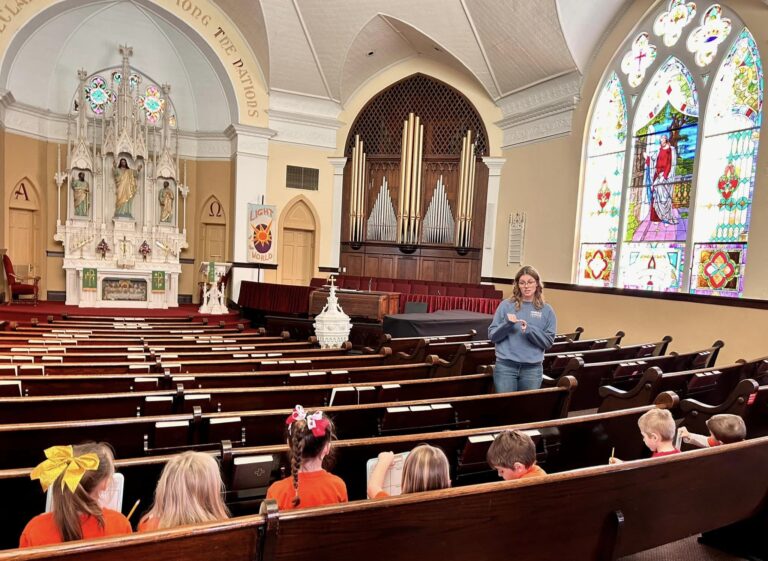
<point x="122" y="183"/>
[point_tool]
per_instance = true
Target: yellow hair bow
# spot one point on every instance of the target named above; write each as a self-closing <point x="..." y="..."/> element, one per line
<point x="61" y="459"/>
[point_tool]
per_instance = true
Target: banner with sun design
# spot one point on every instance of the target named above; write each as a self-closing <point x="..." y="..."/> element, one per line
<point x="262" y="230"/>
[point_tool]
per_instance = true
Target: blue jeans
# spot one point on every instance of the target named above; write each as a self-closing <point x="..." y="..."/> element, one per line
<point x="511" y="376"/>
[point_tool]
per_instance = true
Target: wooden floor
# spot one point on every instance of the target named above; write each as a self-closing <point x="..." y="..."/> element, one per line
<point x="684" y="550"/>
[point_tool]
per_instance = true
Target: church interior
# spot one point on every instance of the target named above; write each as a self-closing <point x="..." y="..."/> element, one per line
<point x="201" y="198"/>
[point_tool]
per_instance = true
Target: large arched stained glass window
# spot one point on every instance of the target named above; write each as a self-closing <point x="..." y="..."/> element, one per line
<point x="671" y="156"/>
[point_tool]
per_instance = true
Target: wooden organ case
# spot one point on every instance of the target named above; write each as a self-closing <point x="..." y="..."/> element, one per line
<point x="415" y="185"/>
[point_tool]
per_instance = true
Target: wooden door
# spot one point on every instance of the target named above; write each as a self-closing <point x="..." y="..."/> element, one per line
<point x="214" y="242"/>
<point x="23" y="240"/>
<point x="298" y="256"/>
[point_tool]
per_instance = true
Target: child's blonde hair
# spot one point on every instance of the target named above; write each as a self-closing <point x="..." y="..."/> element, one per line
<point x="68" y="506"/>
<point x="510" y="447"/>
<point x="190" y="491"/>
<point x="425" y="469"/>
<point x="658" y="421"/>
<point x="727" y="428"/>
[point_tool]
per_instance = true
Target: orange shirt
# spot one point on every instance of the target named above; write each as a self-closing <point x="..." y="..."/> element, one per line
<point x="316" y="488"/>
<point x="533" y="471"/>
<point x="148" y="524"/>
<point x="42" y="529"/>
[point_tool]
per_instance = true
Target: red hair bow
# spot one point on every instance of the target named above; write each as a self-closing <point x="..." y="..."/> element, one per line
<point x="315" y="422"/>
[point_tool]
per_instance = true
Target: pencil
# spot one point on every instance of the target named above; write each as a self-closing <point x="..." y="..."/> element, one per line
<point x="612" y="451"/>
<point x="133" y="509"/>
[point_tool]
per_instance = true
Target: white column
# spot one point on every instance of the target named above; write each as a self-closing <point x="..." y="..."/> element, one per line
<point x="250" y="148"/>
<point x="338" y="188"/>
<point x="490" y="235"/>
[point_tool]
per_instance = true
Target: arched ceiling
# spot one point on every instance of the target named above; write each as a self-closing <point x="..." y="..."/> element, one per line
<point x="42" y="71"/>
<point x="328" y="48"/>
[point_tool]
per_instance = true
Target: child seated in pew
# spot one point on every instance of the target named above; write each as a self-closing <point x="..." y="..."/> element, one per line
<point x="190" y="491"/>
<point x="513" y="455"/>
<point x="79" y="475"/>
<point x="723" y="429"/>
<point x="658" y="429"/>
<point x="309" y="442"/>
<point x="425" y="469"/>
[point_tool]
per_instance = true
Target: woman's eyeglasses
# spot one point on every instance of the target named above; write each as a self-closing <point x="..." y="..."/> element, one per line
<point x="527" y="283"/>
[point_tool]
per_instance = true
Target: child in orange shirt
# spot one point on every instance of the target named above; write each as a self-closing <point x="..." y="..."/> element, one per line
<point x="513" y="455"/>
<point x="425" y="469"/>
<point x="658" y="429"/>
<point x="309" y="441"/>
<point x="723" y="429"/>
<point x="190" y="491"/>
<point x="79" y="474"/>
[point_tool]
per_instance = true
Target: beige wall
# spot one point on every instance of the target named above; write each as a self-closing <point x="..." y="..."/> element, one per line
<point x="543" y="179"/>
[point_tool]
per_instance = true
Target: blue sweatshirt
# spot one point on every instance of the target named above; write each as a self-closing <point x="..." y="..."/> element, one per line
<point x="511" y="343"/>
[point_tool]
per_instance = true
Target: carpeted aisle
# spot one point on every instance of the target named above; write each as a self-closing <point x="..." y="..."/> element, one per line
<point x="688" y="549"/>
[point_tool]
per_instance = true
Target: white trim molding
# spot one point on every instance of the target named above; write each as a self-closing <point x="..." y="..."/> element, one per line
<point x="540" y="112"/>
<point x="304" y="120"/>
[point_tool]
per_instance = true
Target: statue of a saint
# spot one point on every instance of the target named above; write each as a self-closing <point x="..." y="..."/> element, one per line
<point x="165" y="197"/>
<point x="125" y="188"/>
<point x="81" y="194"/>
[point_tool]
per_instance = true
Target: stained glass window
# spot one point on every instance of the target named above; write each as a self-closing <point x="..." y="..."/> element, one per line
<point x="668" y="185"/>
<point x="98" y="96"/>
<point x="152" y="104"/>
<point x="602" y="185"/>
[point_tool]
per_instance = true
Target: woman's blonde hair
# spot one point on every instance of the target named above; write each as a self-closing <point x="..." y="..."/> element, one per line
<point x="190" y="491"/>
<point x="517" y="295"/>
<point x="68" y="506"/>
<point x="425" y="469"/>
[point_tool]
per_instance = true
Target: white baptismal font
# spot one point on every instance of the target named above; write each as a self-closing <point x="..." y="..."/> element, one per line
<point x="123" y="186"/>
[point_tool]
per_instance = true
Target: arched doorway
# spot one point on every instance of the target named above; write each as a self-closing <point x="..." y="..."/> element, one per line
<point x="298" y="236"/>
<point x="24" y="228"/>
<point x="212" y="241"/>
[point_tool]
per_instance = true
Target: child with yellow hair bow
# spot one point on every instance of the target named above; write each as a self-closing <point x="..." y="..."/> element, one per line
<point x="78" y="475"/>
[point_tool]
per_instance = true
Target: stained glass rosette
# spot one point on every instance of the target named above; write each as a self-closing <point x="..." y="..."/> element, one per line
<point x="596" y="264"/>
<point x="718" y="269"/>
<point x="152" y="104"/>
<point x="98" y="96"/>
<point x="652" y="266"/>
<point x="670" y="24"/>
<point x="639" y="58"/>
<point x="704" y="40"/>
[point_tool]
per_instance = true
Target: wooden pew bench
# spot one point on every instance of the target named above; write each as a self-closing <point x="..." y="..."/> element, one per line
<point x="608" y="511"/>
<point x="136" y="436"/>
<point x="109" y="405"/>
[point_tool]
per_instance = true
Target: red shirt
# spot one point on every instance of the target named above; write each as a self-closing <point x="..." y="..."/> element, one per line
<point x="316" y="488"/>
<point x="660" y="454"/>
<point x="42" y="529"/>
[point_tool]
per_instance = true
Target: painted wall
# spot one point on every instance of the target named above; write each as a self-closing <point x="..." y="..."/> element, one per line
<point x="543" y="179"/>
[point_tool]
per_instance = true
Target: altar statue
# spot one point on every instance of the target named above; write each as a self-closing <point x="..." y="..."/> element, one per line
<point x="125" y="188"/>
<point x="165" y="197"/>
<point x="81" y="195"/>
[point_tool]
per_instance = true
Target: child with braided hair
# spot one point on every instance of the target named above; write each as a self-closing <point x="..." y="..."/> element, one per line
<point x="309" y="442"/>
<point x="78" y="474"/>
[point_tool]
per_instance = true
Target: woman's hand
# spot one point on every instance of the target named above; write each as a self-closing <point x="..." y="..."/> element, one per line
<point x="512" y="318"/>
<point x="523" y="325"/>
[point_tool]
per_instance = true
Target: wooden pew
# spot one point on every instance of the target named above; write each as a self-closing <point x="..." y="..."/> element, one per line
<point x="409" y="344"/>
<point x="570" y="346"/>
<point x="13" y="338"/>
<point x="109" y="405"/>
<point x="136" y="436"/>
<point x="107" y="383"/>
<point x="563" y="444"/>
<point x="711" y="385"/>
<point x="608" y="511"/>
<point x="625" y="373"/>
<point x="748" y="400"/>
<point x="572" y="336"/>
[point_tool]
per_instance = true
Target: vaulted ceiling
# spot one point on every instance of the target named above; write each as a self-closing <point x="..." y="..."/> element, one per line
<point x="322" y="49"/>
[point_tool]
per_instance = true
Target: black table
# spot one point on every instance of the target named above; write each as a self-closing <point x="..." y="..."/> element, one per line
<point x="443" y="322"/>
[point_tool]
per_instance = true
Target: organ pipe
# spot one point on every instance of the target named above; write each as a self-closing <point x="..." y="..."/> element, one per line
<point x="466" y="192"/>
<point x="357" y="194"/>
<point x="410" y="181"/>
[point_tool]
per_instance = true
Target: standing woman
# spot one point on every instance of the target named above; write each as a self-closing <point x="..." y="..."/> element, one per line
<point x="523" y="328"/>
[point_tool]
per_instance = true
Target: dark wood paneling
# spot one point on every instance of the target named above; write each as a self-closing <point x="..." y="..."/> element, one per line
<point x="353" y="263"/>
<point x="408" y="268"/>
